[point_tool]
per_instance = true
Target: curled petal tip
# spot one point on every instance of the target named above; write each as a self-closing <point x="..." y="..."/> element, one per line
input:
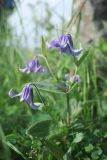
<point x="22" y="70"/>
<point x="42" y="70"/>
<point x="77" y="52"/>
<point x="34" y="106"/>
<point x="11" y="93"/>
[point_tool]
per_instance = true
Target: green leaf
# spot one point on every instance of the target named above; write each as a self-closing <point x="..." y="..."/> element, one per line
<point x="58" y="133"/>
<point x="55" y="150"/>
<point x="39" y="129"/>
<point x="15" y="149"/>
<point x="44" y="48"/>
<point x="78" y="138"/>
<point x="83" y="57"/>
<point x="89" y="148"/>
<point x="52" y="86"/>
<point x="99" y="151"/>
<point x="7" y="153"/>
<point x="75" y="60"/>
<point x="45" y="153"/>
<point x="94" y="155"/>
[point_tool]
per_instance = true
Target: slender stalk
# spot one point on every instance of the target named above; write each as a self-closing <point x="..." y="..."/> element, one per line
<point x="71" y="88"/>
<point x="75" y="17"/>
<point x="50" y="70"/>
<point x="68" y="109"/>
<point x="38" y="92"/>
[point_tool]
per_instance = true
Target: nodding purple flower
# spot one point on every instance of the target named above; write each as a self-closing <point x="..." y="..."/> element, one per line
<point x="72" y="78"/>
<point x="33" y="66"/>
<point x="65" y="44"/>
<point x="25" y="95"/>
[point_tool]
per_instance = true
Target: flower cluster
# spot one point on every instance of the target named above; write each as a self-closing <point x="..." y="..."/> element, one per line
<point x="65" y="45"/>
<point x="26" y="95"/>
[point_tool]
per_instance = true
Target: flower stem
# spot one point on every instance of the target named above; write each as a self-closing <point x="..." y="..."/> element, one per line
<point x="50" y="70"/>
<point x="68" y="109"/>
<point x="38" y="92"/>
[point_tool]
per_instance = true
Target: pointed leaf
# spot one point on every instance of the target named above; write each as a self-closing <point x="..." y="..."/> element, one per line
<point x="39" y="129"/>
<point x="15" y="149"/>
<point x="78" y="138"/>
<point x="83" y="57"/>
<point x="51" y="85"/>
<point x="55" y="150"/>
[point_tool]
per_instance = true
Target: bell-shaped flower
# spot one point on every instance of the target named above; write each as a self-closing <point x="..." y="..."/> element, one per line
<point x="33" y="66"/>
<point x="65" y="45"/>
<point x="25" y="95"/>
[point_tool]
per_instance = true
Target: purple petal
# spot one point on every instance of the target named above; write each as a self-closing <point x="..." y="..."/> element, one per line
<point x="33" y="66"/>
<point x="54" y="44"/>
<point x="76" y="52"/>
<point x="65" y="49"/>
<point x="26" y="93"/>
<point x="30" y="66"/>
<point x="33" y="106"/>
<point x="42" y="70"/>
<point x="76" y="78"/>
<point x="70" y="39"/>
<point x="63" y="41"/>
<point x="38" y="67"/>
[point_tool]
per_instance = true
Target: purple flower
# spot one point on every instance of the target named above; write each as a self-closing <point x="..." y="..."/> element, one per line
<point x="65" y="44"/>
<point x="76" y="78"/>
<point x="72" y="78"/>
<point x="25" y="95"/>
<point x="33" y="66"/>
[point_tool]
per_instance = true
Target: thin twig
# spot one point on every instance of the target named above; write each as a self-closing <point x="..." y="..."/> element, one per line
<point x="68" y="109"/>
<point x="76" y="17"/>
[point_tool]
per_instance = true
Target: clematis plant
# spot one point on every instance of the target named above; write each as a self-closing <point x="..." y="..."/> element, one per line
<point x="65" y="45"/>
<point x="43" y="130"/>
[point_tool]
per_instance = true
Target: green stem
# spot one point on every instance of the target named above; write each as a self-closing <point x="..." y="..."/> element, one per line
<point x="50" y="70"/>
<point x="71" y="88"/>
<point x="38" y="92"/>
<point x="68" y="109"/>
